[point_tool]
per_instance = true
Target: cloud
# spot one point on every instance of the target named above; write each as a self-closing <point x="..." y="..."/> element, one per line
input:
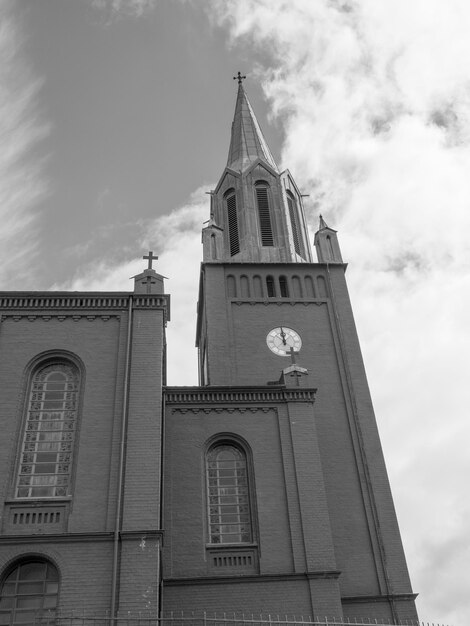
<point x="23" y="184"/>
<point x="176" y="239"/>
<point x="374" y="99"/>
<point x="115" y="9"/>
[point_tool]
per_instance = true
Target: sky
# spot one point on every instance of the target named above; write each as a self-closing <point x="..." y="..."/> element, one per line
<point x="115" y="121"/>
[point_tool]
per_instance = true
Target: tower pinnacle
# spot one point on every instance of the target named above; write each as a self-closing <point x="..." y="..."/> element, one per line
<point x="247" y="142"/>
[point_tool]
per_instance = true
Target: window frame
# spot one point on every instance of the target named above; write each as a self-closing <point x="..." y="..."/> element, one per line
<point x="46" y="615"/>
<point x="38" y="364"/>
<point x="243" y="448"/>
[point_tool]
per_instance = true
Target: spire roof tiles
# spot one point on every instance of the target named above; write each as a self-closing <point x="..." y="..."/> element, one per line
<point x="247" y="142"/>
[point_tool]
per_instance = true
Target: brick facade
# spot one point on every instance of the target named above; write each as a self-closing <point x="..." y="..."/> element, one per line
<point x="301" y="518"/>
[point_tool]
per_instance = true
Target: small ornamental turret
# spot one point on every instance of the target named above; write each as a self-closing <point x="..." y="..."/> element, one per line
<point x="326" y="244"/>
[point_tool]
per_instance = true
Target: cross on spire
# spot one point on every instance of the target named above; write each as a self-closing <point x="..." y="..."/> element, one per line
<point x="292" y="354"/>
<point x="239" y="77"/>
<point x="150" y="258"/>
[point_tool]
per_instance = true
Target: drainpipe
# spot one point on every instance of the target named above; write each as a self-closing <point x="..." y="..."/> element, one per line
<point x="162" y="487"/>
<point x="124" y="416"/>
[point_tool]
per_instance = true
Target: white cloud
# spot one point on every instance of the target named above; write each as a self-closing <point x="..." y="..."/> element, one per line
<point x="22" y="181"/>
<point x="176" y="239"/>
<point x="124" y="8"/>
<point x="374" y="98"/>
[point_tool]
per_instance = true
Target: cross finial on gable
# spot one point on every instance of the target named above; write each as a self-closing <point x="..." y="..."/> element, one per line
<point x="239" y="77"/>
<point x="150" y="258"/>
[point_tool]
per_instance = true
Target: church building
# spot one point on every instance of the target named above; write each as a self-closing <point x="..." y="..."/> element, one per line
<point x="261" y="491"/>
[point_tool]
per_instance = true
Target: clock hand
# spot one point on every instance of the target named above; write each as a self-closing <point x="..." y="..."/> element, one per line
<point x="283" y="335"/>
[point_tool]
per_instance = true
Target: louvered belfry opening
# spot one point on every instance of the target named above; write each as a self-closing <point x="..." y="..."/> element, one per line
<point x="294" y="222"/>
<point x="264" y="213"/>
<point x="234" y="240"/>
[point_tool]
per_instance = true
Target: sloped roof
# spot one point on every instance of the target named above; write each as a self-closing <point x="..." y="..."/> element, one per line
<point x="247" y="142"/>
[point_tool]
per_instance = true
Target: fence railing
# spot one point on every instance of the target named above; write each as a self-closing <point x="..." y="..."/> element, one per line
<point x="78" y="618"/>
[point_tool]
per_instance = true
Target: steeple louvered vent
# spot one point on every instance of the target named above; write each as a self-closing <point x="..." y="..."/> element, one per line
<point x="264" y="213"/>
<point x="294" y="222"/>
<point x="232" y="219"/>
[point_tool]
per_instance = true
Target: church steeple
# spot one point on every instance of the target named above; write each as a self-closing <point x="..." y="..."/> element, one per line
<point x="257" y="213"/>
<point x="247" y="143"/>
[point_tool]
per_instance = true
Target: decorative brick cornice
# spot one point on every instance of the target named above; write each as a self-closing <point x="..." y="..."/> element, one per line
<point x="225" y="409"/>
<point x="236" y="395"/>
<point x="42" y="304"/>
<point x="379" y="598"/>
<point x="56" y="538"/>
<point x="60" y="316"/>
<point x="258" y="578"/>
<point x="284" y="301"/>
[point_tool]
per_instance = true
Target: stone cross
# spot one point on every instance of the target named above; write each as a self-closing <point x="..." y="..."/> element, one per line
<point x="150" y="258"/>
<point x="292" y="353"/>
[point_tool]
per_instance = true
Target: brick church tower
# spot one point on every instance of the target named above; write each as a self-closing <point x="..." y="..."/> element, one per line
<point x="261" y="491"/>
<point x="294" y="513"/>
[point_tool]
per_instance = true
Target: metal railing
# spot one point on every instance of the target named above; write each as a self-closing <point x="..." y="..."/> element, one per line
<point x="83" y="618"/>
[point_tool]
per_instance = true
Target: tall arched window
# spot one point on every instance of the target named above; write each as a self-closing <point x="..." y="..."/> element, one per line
<point x="228" y="495"/>
<point x="294" y="221"/>
<point x="28" y="594"/>
<point x="283" y="287"/>
<point x="232" y="220"/>
<point x="270" y="287"/>
<point x="45" y="465"/>
<point x="264" y="214"/>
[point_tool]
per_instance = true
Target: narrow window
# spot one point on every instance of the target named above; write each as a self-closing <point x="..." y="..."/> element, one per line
<point x="257" y="287"/>
<point x="231" y="286"/>
<point x="322" y="287"/>
<point x="270" y="288"/>
<point x="329" y="243"/>
<point x="283" y="288"/>
<point x="232" y="218"/>
<point x="244" y="286"/>
<point x="28" y="594"/>
<point x="309" y="290"/>
<point x="46" y="456"/>
<point x="294" y="221"/>
<point x="264" y="214"/>
<point x="228" y="495"/>
<point x="213" y="247"/>
<point x="296" y="287"/>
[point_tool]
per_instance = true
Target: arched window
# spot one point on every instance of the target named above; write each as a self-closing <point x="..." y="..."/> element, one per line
<point x="28" y="594"/>
<point x="231" y="286"/>
<point x="45" y="465"/>
<point x="329" y="244"/>
<point x="213" y="247"/>
<point x="244" y="286"/>
<point x="228" y="495"/>
<point x="264" y="214"/>
<point x="270" y="287"/>
<point x="294" y="221"/>
<point x="296" y="287"/>
<point x="232" y="220"/>
<point x="283" y="287"/>
<point x="309" y="290"/>
<point x="257" y="287"/>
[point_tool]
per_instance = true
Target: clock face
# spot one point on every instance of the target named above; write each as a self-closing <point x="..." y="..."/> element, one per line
<point x="280" y="340"/>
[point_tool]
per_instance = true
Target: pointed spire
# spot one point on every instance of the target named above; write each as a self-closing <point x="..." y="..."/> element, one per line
<point x="247" y="142"/>
<point x="323" y="224"/>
